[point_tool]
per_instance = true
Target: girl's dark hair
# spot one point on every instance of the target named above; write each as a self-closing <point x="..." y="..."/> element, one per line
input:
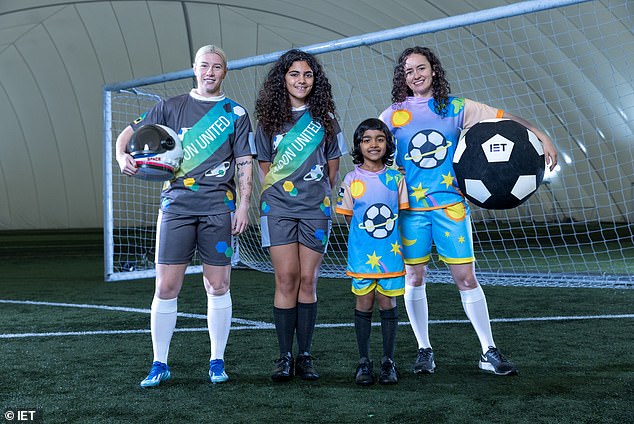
<point x="373" y="124"/>
<point x="440" y="85"/>
<point x="273" y="106"/>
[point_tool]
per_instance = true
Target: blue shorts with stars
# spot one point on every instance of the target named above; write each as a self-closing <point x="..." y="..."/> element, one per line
<point x="394" y="286"/>
<point x="448" y="228"/>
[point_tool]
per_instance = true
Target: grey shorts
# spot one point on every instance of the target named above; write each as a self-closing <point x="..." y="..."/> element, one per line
<point x="178" y="237"/>
<point x="312" y="233"/>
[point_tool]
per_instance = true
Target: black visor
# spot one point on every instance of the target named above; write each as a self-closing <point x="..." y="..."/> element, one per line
<point x="150" y="139"/>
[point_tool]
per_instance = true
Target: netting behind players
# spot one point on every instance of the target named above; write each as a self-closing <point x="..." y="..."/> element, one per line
<point x="576" y="230"/>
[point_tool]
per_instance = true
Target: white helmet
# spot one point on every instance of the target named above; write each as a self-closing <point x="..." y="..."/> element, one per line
<point x="157" y="151"/>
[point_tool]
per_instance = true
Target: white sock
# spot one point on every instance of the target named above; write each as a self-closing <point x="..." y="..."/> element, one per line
<point x="475" y="306"/>
<point x="416" y="306"/>
<point x="162" y="325"/>
<point x="219" y="309"/>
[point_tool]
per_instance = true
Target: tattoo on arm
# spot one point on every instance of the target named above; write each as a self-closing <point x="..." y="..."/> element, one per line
<point x="244" y="168"/>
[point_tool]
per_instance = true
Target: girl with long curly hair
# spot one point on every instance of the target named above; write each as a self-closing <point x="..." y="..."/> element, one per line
<point x="438" y="213"/>
<point x="299" y="143"/>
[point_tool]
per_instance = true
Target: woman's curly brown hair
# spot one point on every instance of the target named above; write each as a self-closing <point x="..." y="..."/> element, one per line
<point x="273" y="105"/>
<point x="440" y="85"/>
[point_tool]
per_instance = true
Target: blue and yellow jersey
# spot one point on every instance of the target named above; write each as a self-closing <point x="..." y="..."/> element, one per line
<point x="373" y="201"/>
<point x="425" y="145"/>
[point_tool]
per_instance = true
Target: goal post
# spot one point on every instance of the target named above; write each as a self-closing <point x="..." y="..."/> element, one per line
<point x="535" y="59"/>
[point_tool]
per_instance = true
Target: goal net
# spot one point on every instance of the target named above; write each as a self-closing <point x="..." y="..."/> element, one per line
<point x="566" y="66"/>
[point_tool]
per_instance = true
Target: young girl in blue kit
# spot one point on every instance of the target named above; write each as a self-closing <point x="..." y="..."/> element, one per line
<point x="370" y="198"/>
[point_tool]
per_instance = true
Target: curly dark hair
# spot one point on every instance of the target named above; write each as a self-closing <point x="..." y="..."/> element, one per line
<point x="273" y="106"/>
<point x="373" y="124"/>
<point x="440" y="85"/>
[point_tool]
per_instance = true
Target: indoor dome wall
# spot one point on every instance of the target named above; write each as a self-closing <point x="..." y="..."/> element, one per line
<point x="55" y="57"/>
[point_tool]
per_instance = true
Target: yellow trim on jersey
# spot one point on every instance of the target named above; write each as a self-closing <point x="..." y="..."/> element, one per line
<point x="375" y="276"/>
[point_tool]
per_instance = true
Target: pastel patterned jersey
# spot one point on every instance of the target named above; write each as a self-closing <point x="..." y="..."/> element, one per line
<point x="373" y="201"/>
<point x="425" y="145"/>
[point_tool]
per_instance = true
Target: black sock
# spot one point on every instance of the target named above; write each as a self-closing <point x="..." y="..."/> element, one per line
<point x="285" y="322"/>
<point x="363" y="328"/>
<point x="306" y="318"/>
<point x="389" y="324"/>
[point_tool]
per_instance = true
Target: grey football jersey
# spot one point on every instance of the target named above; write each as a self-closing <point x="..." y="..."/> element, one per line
<point x="306" y="192"/>
<point x="209" y="188"/>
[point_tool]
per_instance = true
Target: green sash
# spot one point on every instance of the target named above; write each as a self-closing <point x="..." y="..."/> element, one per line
<point x="206" y="136"/>
<point x="294" y="148"/>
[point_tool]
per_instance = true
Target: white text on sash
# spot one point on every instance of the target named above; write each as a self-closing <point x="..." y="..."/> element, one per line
<point x="207" y="137"/>
<point x="296" y="146"/>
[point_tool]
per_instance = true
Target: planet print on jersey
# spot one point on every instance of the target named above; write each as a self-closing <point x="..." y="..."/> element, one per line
<point x="378" y="221"/>
<point x="357" y="188"/>
<point x="218" y="171"/>
<point x="316" y="173"/>
<point x="428" y="149"/>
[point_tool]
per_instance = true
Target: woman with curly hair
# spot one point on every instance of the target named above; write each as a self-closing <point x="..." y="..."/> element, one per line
<point x="299" y="143"/>
<point x="438" y="213"/>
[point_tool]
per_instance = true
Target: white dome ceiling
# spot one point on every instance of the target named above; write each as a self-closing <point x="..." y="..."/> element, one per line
<point x="55" y="57"/>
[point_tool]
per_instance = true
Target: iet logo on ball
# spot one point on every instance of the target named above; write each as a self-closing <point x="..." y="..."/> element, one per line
<point x="498" y="148"/>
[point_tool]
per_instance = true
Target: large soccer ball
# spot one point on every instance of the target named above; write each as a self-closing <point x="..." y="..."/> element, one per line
<point x="157" y="151"/>
<point x="499" y="163"/>
<point x="378" y="221"/>
<point x="427" y="149"/>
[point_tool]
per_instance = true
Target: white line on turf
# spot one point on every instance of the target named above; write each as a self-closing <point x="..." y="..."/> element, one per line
<point x="248" y="324"/>
<point x="119" y="308"/>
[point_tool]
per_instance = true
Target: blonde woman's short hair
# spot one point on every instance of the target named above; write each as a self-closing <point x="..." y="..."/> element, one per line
<point x="210" y="48"/>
